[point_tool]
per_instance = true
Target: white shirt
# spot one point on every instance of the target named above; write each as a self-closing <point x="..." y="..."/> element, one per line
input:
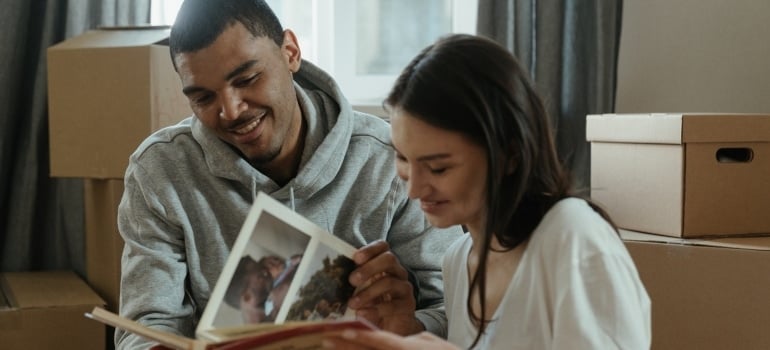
<point x="576" y="287"/>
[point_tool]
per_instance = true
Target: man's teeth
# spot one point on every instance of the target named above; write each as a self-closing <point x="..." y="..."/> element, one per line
<point x="248" y="127"/>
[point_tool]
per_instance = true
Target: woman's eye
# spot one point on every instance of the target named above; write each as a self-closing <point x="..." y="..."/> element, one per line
<point x="202" y="100"/>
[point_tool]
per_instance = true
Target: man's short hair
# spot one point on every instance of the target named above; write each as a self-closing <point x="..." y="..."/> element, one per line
<point x="200" y="22"/>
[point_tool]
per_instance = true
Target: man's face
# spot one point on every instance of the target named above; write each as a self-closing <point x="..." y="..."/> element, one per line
<point x="241" y="88"/>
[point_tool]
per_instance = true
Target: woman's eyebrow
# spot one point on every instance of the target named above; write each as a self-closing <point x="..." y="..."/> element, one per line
<point x="430" y="157"/>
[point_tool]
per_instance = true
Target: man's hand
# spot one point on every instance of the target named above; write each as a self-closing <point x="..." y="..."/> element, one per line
<point x="383" y="294"/>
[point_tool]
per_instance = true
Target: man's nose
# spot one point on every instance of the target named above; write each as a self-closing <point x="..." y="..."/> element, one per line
<point x="232" y="106"/>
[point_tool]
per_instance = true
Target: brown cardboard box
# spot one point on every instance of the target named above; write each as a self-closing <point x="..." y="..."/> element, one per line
<point x="706" y="294"/>
<point x="45" y="310"/>
<point x="104" y="245"/>
<point x="108" y="90"/>
<point x="695" y="174"/>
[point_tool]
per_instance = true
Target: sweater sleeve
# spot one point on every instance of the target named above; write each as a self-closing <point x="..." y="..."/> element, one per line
<point x="153" y="265"/>
<point x="420" y="247"/>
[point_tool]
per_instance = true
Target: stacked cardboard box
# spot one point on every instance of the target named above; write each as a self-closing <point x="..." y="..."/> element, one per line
<point x="44" y="310"/>
<point x="706" y="294"/>
<point x="692" y="193"/>
<point x="108" y="90"/>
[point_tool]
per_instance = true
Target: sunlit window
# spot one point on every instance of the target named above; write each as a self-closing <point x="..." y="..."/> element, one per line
<point x="363" y="44"/>
<point x="164" y="11"/>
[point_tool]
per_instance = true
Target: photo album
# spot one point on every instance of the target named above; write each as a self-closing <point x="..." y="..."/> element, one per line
<point x="283" y="285"/>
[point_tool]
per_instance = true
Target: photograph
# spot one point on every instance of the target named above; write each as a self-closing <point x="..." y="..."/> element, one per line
<point x="263" y="274"/>
<point x="324" y="289"/>
<point x="282" y="267"/>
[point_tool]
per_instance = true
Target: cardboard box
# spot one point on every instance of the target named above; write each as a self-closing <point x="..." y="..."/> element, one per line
<point x="706" y="294"/>
<point x="104" y="245"/>
<point x="694" y="174"/>
<point x="45" y="310"/>
<point x="108" y="90"/>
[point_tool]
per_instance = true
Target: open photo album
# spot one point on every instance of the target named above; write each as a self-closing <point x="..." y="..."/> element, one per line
<point x="285" y="280"/>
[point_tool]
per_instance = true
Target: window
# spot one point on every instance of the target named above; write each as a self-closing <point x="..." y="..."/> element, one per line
<point x="363" y="44"/>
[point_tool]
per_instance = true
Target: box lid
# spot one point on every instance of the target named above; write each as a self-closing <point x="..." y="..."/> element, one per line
<point x="116" y="37"/>
<point x="45" y="289"/>
<point x="678" y="128"/>
<point x="747" y="243"/>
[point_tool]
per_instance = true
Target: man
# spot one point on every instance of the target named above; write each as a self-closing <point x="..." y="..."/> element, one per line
<point x="266" y="121"/>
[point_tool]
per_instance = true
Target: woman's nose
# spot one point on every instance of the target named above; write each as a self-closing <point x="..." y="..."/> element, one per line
<point x="416" y="185"/>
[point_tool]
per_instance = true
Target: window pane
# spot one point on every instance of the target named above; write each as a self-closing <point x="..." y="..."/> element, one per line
<point x="297" y="15"/>
<point x="389" y="33"/>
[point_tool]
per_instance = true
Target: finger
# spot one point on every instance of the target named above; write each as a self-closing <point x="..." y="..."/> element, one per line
<point x="386" y="290"/>
<point x="344" y="340"/>
<point x="377" y="339"/>
<point x="386" y="262"/>
<point x="379" y="311"/>
<point x="426" y="336"/>
<point x="339" y="343"/>
<point x="369" y="251"/>
<point x="350" y="339"/>
<point x="368" y="282"/>
<point x="370" y="314"/>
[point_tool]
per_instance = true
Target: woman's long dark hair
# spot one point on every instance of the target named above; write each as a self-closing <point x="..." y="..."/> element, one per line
<point x="472" y="85"/>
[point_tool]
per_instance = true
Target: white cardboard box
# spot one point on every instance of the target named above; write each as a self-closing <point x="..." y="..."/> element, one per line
<point x="682" y="175"/>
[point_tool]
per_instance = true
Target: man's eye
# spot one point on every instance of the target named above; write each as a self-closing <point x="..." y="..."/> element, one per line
<point x="437" y="171"/>
<point x="245" y="82"/>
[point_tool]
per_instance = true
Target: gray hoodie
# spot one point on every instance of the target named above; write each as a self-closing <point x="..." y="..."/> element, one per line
<point x="187" y="193"/>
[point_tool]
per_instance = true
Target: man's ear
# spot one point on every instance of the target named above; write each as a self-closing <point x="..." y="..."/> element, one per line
<point x="290" y="50"/>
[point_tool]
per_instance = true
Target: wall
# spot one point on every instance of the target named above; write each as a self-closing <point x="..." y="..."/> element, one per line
<point x="694" y="56"/>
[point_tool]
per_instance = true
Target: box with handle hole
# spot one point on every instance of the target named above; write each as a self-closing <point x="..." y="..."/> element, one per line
<point x="683" y="175"/>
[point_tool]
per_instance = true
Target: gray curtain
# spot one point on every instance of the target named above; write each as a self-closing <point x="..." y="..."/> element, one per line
<point x="41" y="218"/>
<point x="570" y="47"/>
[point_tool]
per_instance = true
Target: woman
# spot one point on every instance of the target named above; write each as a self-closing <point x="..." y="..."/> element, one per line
<point x="540" y="268"/>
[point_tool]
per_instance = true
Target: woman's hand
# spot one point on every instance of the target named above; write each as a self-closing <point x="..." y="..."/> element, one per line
<point x="358" y="339"/>
<point x="384" y="296"/>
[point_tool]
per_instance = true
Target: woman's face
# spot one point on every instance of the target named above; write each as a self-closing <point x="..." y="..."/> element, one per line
<point x="443" y="169"/>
